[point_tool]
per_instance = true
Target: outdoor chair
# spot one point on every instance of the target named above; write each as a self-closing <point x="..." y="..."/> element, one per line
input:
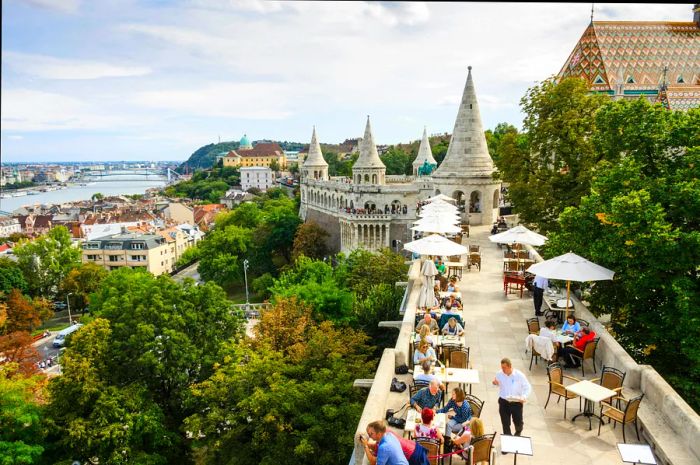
<point x="611" y="378"/>
<point x="421" y="384"/>
<point x="475" y="403"/>
<point x="556" y="376"/>
<point x="583" y="323"/>
<point x="413" y="389"/>
<point x="629" y="415"/>
<point x="533" y="325"/>
<point x="535" y="355"/>
<point x="587" y="354"/>
<point x="433" y="447"/>
<point x="465" y="229"/>
<point x="446" y="350"/>
<point x="512" y="266"/>
<point x="473" y="248"/>
<point x="459" y="358"/>
<point x="474" y="260"/>
<point x="480" y="450"/>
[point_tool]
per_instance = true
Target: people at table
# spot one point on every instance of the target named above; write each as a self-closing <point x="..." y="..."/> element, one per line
<point x="453" y="328"/>
<point x="430" y="322"/>
<point x="381" y="447"/>
<point x="427" y="374"/>
<point x="579" y="345"/>
<point x="429" y="397"/>
<point x="458" y="411"/>
<point x="472" y="430"/>
<point x="514" y="389"/>
<point x="571" y="326"/>
<point x="424" y="334"/>
<point x="442" y="269"/>
<point x="424" y="351"/>
<point x="425" y="428"/>
<point x="452" y="285"/>
<point x="453" y="304"/>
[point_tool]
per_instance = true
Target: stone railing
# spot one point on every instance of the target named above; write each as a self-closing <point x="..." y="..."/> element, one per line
<point x="667" y="422"/>
<point x="397" y="178"/>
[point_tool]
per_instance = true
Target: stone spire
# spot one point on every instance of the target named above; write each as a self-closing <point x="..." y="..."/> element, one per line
<point x="369" y="157"/>
<point x="315" y="157"/>
<point x="468" y="154"/>
<point x="424" y="153"/>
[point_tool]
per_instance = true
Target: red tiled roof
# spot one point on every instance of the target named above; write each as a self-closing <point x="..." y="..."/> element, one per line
<point x="263" y="149"/>
<point x="4" y="247"/>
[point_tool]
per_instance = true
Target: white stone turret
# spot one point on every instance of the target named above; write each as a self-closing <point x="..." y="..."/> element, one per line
<point x="424" y="154"/>
<point x="315" y="166"/>
<point x="369" y="168"/>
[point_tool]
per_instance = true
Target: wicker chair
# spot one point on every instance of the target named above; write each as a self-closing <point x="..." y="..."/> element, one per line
<point x="480" y="450"/>
<point x="587" y="354"/>
<point x="611" y="378"/>
<point x="533" y="326"/>
<point x="446" y="350"/>
<point x="556" y="385"/>
<point x="475" y="403"/>
<point x="629" y="415"/>
<point x="459" y="358"/>
<point x="433" y="447"/>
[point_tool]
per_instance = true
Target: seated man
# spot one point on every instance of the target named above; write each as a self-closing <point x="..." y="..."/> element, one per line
<point x="584" y="337"/>
<point x="442" y="269"/>
<point x="428" y="397"/>
<point x="430" y="322"/>
<point x="427" y="376"/>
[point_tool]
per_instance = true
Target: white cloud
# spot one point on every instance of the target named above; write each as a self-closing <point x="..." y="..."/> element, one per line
<point x="47" y="67"/>
<point x="64" y="6"/>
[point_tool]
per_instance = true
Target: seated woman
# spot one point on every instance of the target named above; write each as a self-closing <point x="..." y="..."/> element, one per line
<point x="452" y="328"/>
<point x="454" y="303"/>
<point x="472" y="430"/>
<point x="549" y="331"/>
<point x="571" y="326"/>
<point x="425" y="429"/>
<point x="424" y="352"/>
<point x="424" y="335"/>
<point x="452" y="285"/>
<point x="458" y="411"/>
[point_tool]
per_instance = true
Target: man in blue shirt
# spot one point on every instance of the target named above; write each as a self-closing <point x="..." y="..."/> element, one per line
<point x="427" y="397"/>
<point x="389" y="451"/>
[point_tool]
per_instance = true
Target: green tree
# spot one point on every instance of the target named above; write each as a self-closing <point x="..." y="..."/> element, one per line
<point x="21" y="432"/>
<point x="97" y="197"/>
<point x="46" y="261"/>
<point x="223" y="251"/>
<point x="552" y="170"/>
<point x="363" y="269"/>
<point x="397" y="161"/>
<point x="310" y="241"/>
<point x="11" y="276"/>
<point x="274" y="165"/>
<point x="83" y="281"/>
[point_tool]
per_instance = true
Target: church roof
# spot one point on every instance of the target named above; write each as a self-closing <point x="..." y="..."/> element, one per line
<point x="315" y="157"/>
<point x="424" y="152"/>
<point x="369" y="157"/>
<point x="245" y="142"/>
<point x="637" y="57"/>
<point x="263" y="149"/>
<point x="467" y="154"/>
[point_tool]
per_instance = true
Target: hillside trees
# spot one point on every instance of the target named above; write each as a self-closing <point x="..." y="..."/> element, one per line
<point x="310" y="241"/>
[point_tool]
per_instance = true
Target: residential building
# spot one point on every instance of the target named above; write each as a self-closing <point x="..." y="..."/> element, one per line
<point x="133" y="249"/>
<point x="204" y="215"/>
<point x="235" y="197"/>
<point x="256" y="176"/>
<point x="262" y="154"/>
<point x="9" y="225"/>
<point x="179" y="213"/>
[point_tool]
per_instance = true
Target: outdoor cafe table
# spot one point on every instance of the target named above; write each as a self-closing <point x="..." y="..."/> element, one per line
<point x="563" y="338"/>
<point x="454" y="269"/>
<point x="592" y="393"/>
<point x="551" y="301"/>
<point x="439" y="421"/>
<point x="457" y="294"/>
<point x="458" y="375"/>
<point x="442" y="340"/>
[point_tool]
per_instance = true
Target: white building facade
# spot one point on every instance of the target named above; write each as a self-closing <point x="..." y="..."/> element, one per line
<point x="372" y="209"/>
<point x="256" y="176"/>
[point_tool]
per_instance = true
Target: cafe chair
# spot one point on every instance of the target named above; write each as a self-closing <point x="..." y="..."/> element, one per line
<point x="445" y="351"/>
<point x="420" y="384"/>
<point x="611" y="378"/>
<point x="556" y="375"/>
<point x="587" y="354"/>
<point x="413" y="389"/>
<point x="583" y="323"/>
<point x="480" y="449"/>
<point x="473" y="248"/>
<point x="533" y="326"/>
<point x="433" y="447"/>
<point x="475" y="403"/>
<point x="459" y="358"/>
<point x="629" y="415"/>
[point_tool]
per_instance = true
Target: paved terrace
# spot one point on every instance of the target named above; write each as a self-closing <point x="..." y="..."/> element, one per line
<point x="496" y="328"/>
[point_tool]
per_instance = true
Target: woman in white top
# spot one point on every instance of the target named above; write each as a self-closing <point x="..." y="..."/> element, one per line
<point x="452" y="328"/>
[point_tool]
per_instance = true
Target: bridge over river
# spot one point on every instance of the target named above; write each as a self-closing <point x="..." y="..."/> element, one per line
<point x="135" y="174"/>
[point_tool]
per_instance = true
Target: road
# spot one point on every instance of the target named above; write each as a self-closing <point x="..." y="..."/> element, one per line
<point x="46" y="350"/>
<point x="189" y="272"/>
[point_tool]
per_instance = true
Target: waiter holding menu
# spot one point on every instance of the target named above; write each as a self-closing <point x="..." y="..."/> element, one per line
<point x="514" y="391"/>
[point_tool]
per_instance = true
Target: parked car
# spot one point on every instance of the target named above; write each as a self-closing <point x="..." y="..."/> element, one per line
<point x="60" y="305"/>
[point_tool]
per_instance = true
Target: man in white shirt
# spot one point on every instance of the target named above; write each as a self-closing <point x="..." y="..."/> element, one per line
<point x="540" y="284"/>
<point x="513" y="392"/>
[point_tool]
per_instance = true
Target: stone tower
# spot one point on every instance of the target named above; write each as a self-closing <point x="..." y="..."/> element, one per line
<point x="424" y="154"/>
<point x="466" y="172"/>
<point x="314" y="167"/>
<point x="369" y="168"/>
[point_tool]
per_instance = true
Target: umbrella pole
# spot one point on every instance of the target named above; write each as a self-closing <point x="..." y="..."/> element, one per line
<point x="568" y="284"/>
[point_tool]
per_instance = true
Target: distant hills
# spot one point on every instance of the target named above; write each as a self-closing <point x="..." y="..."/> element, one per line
<point x="205" y="157"/>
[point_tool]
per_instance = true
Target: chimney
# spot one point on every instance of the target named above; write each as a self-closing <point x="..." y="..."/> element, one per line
<point x="696" y="14"/>
<point x="124" y="230"/>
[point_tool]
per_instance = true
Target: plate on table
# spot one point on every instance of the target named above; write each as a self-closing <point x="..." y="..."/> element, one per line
<point x="561" y="303"/>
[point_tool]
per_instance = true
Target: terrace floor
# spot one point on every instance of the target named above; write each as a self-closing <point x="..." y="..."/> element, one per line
<point x="496" y="328"/>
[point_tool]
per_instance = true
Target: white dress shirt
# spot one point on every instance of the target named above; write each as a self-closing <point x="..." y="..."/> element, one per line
<point x="513" y="386"/>
<point x="541" y="282"/>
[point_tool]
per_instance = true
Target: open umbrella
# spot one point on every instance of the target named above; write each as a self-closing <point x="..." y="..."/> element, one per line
<point x="519" y="234"/>
<point x="426" y="297"/>
<point x="441" y="197"/>
<point x="435" y="244"/>
<point x="438" y="225"/>
<point x="571" y="267"/>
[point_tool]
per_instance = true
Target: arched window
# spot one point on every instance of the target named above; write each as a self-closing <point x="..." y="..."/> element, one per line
<point x="374" y="179"/>
<point x="367" y="178"/>
<point x="475" y="202"/>
<point x="459" y="197"/>
<point x="396" y="207"/>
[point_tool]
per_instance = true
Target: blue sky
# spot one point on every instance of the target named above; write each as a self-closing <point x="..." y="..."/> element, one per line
<point x="155" y="80"/>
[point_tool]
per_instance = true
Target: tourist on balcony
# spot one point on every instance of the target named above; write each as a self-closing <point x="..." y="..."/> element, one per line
<point x="472" y="430"/>
<point x="423" y="352"/>
<point x="428" y="397"/>
<point x="579" y="345"/>
<point x="430" y="322"/>
<point x="425" y="335"/>
<point x="452" y="285"/>
<point x="413" y="452"/>
<point x="440" y="265"/>
<point x="427" y="376"/>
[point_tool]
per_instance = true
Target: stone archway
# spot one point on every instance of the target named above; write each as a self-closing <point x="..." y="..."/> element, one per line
<point x="460" y="197"/>
<point x="396" y="206"/>
<point x="475" y="202"/>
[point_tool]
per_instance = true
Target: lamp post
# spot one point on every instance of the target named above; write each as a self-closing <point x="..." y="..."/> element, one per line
<point x="245" y="274"/>
<point x="70" y="318"/>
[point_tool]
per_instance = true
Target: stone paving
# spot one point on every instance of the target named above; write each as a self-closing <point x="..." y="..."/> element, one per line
<point x="496" y="328"/>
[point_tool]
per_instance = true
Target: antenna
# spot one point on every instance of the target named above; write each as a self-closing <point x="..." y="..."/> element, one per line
<point x="663" y="83"/>
<point x="592" y="5"/>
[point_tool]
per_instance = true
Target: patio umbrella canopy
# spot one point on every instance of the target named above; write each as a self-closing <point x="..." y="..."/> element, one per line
<point x="519" y="234"/>
<point x="437" y="226"/>
<point x="441" y="197"/>
<point x="426" y="297"/>
<point x="571" y="267"/>
<point x="435" y="244"/>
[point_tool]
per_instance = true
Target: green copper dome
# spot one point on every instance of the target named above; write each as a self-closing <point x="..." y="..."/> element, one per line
<point x="245" y="143"/>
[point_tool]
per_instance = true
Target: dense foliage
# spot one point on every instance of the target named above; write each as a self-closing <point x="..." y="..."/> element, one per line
<point x="205" y="157"/>
<point x="208" y="186"/>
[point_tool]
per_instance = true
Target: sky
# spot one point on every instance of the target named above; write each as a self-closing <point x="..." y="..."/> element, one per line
<point x="156" y="79"/>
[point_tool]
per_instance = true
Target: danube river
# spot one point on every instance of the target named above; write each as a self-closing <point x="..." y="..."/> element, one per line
<point x="76" y="192"/>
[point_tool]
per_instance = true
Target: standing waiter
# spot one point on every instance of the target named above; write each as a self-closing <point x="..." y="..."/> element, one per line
<point x="514" y="389"/>
<point x="540" y="283"/>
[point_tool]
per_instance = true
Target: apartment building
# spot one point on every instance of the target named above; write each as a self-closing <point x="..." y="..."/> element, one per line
<point x="133" y="249"/>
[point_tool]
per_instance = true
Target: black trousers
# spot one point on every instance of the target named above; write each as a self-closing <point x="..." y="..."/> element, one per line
<point x="511" y="409"/>
<point x="538" y="294"/>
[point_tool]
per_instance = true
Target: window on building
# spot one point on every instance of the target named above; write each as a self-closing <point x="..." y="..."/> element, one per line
<point x="114" y="258"/>
<point x="138" y="246"/>
<point x="680" y="80"/>
<point x="91" y="257"/>
<point x="91" y="245"/>
<point x="630" y="80"/>
<point x="598" y="80"/>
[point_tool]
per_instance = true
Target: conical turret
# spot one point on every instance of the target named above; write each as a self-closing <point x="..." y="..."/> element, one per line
<point x="315" y="166"/>
<point x="424" y="154"/>
<point x="468" y="154"/>
<point x="369" y="168"/>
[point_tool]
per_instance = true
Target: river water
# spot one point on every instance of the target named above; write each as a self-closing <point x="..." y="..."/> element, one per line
<point x="117" y="185"/>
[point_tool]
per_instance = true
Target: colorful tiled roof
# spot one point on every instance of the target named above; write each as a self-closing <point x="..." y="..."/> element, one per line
<point x="636" y="58"/>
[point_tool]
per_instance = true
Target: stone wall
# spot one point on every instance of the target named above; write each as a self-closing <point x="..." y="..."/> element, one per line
<point x="329" y="223"/>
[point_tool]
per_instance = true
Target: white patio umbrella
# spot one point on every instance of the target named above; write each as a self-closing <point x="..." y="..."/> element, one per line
<point x="571" y="267"/>
<point x="519" y="234"/>
<point x="435" y="244"/>
<point x="437" y="226"/>
<point x="438" y="211"/>
<point x="427" y="296"/>
<point x="441" y="197"/>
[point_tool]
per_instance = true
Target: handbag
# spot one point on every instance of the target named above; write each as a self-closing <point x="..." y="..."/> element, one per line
<point x="394" y="419"/>
<point x="401" y="369"/>
<point x="397" y="386"/>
